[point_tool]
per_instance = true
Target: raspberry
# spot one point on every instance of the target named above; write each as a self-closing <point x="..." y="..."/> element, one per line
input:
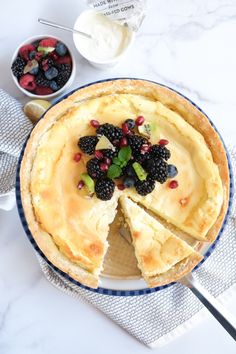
<point x="40" y="90"/>
<point x="48" y="42"/>
<point x="87" y="144"/>
<point x="27" y="81"/>
<point x="145" y="187"/>
<point x="64" y="60"/>
<point x="104" y="188"/>
<point x="25" y="50"/>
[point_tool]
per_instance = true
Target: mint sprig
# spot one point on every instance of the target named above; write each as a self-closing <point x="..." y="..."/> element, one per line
<point x="119" y="162"/>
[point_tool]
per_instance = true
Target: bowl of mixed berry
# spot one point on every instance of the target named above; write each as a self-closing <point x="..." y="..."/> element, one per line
<point x="43" y="66"/>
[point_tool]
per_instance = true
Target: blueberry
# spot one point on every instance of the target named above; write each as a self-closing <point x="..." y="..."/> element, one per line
<point x="32" y="54"/>
<point x="54" y="86"/>
<point x="129" y="182"/>
<point x="34" y="71"/>
<point x="51" y="73"/>
<point x="130" y="123"/>
<point x="61" y="49"/>
<point x="172" y="171"/>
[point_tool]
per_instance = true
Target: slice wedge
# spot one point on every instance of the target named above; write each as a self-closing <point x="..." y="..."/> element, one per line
<point x="162" y="257"/>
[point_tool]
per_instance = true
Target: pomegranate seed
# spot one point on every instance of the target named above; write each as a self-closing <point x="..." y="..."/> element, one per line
<point x="139" y="120"/>
<point x="123" y="142"/>
<point x="98" y="154"/>
<point x="116" y="142"/>
<point x="125" y="128"/>
<point x="130" y="132"/>
<point x="173" y="184"/>
<point x="121" y="186"/>
<point x="107" y="161"/>
<point x="163" y="142"/>
<point x="103" y="167"/>
<point x="145" y="148"/>
<point x="77" y="157"/>
<point x="94" y="123"/>
<point x="80" y="184"/>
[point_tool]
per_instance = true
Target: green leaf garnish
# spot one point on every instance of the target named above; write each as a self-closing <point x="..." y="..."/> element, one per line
<point x="114" y="171"/>
<point x="140" y="172"/>
<point x="125" y="153"/>
<point x="116" y="161"/>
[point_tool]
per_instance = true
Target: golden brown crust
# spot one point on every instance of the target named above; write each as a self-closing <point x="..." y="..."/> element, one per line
<point x="172" y="100"/>
<point x="178" y="271"/>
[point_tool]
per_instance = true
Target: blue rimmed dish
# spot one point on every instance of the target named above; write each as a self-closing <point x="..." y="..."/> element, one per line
<point x="111" y="286"/>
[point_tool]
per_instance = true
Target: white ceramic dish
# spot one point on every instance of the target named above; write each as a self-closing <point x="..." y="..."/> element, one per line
<point x="100" y="64"/>
<point x="54" y="94"/>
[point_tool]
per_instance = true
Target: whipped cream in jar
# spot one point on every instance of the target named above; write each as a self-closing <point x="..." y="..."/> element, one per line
<point x="109" y="42"/>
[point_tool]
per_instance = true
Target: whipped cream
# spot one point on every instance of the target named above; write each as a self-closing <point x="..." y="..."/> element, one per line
<point x="109" y="38"/>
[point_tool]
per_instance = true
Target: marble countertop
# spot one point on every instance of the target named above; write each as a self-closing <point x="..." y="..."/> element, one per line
<point x="187" y="44"/>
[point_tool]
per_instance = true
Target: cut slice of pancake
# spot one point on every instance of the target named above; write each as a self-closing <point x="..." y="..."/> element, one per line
<point x="162" y="257"/>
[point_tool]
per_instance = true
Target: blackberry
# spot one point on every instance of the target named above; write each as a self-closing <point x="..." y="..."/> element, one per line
<point x="88" y="143"/>
<point x="109" y="153"/>
<point x="18" y="67"/>
<point x="64" y="72"/>
<point x="93" y="168"/>
<point x="160" y="151"/>
<point x="135" y="142"/>
<point x="157" y="169"/>
<point x="104" y="188"/>
<point x="145" y="187"/>
<point x="110" y="131"/>
<point x="41" y="80"/>
<point x="49" y="62"/>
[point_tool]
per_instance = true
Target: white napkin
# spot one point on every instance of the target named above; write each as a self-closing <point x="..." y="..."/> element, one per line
<point x="14" y="128"/>
<point x="154" y="319"/>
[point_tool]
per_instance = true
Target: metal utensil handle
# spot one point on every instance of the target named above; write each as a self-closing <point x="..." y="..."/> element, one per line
<point x="225" y="318"/>
<point x="57" y="25"/>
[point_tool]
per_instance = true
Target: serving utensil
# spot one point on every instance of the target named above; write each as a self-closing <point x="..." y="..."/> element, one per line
<point x="223" y="316"/>
<point x="65" y="28"/>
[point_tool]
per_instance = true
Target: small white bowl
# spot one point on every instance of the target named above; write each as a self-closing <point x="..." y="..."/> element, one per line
<point x="56" y="93"/>
<point x="101" y="64"/>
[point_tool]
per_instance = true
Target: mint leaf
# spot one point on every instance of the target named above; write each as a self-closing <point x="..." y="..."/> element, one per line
<point x="116" y="161"/>
<point x="123" y="164"/>
<point x="114" y="171"/>
<point x="125" y="153"/>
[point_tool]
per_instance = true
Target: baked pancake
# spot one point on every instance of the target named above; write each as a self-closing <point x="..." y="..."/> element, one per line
<point x="158" y="251"/>
<point x="71" y="226"/>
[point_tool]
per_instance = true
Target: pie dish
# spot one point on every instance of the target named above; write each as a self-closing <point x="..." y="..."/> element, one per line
<point x="70" y="228"/>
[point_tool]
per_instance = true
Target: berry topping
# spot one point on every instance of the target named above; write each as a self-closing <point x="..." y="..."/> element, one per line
<point x="136" y="142"/>
<point x="121" y="186"/>
<point x="98" y="154"/>
<point x="64" y="72"/>
<point x="172" y="171"/>
<point x="18" y="67"/>
<point x="110" y="131"/>
<point x="32" y="67"/>
<point x="51" y="73"/>
<point x="104" y="188"/>
<point x="157" y="170"/>
<point x="109" y="153"/>
<point x="41" y="80"/>
<point x="94" y="123"/>
<point x="77" y="157"/>
<point x="48" y="42"/>
<point x="129" y="182"/>
<point x="130" y="123"/>
<point x="125" y="128"/>
<point x="107" y="161"/>
<point x="61" y="49"/>
<point x="87" y="144"/>
<point x="160" y="151"/>
<point x="32" y="55"/>
<point x="40" y="90"/>
<point x="173" y="184"/>
<point x="94" y="168"/>
<point x="80" y="184"/>
<point x="123" y="142"/>
<point x="145" y="148"/>
<point x="25" y="50"/>
<point x="54" y="85"/>
<point x="163" y="142"/>
<point x="64" y="60"/>
<point x="145" y="187"/>
<point x="139" y="120"/>
<point x="27" y="81"/>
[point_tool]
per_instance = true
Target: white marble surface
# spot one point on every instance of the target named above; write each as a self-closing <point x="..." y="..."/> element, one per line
<point x="187" y="44"/>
